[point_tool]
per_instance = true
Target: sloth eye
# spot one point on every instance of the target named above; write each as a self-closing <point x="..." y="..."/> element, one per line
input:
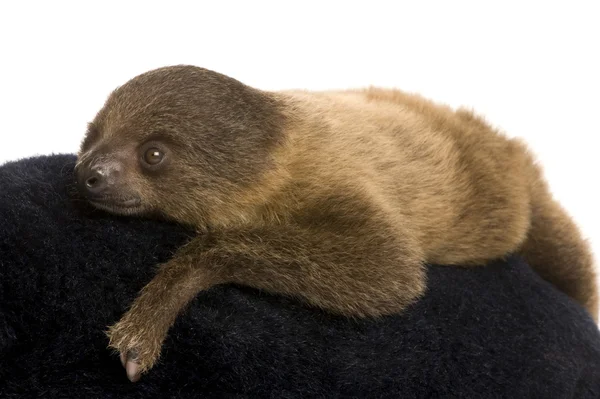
<point x="153" y="156"/>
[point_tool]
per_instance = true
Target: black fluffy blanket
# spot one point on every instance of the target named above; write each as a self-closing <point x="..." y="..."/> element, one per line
<point x="67" y="271"/>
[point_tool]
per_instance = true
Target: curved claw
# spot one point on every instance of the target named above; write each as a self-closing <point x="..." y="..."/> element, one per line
<point x="132" y="368"/>
<point x="133" y="371"/>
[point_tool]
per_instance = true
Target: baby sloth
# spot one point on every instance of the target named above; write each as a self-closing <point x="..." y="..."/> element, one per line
<point x="337" y="198"/>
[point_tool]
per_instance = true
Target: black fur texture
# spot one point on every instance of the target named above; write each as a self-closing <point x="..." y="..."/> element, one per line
<point x="68" y="271"/>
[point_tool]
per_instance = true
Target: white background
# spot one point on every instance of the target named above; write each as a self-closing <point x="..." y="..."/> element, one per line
<point x="531" y="68"/>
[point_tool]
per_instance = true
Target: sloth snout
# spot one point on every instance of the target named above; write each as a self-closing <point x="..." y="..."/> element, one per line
<point x="98" y="180"/>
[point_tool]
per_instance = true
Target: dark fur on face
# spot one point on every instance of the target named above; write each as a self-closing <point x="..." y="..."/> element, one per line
<point x="215" y="136"/>
<point x="335" y="198"/>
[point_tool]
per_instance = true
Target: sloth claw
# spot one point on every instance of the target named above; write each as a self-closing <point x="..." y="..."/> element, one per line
<point x="133" y="370"/>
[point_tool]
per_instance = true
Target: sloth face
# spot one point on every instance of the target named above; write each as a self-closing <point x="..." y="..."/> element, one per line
<point x="178" y="141"/>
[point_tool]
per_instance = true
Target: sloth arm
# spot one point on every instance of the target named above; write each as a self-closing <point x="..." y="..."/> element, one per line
<point x="358" y="267"/>
<point x="355" y="274"/>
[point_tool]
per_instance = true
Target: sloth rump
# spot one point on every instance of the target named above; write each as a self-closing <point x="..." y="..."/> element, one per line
<point x="337" y="198"/>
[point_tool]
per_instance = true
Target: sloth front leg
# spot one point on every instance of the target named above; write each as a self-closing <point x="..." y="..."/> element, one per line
<point x="139" y="334"/>
<point x="355" y="275"/>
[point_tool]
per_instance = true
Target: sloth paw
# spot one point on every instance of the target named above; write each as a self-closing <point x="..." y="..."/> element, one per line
<point x="138" y="346"/>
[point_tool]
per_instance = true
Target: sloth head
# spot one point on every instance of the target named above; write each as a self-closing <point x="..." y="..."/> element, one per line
<point x="179" y="141"/>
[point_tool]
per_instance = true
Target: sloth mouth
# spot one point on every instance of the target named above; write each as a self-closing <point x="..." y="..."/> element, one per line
<point x="123" y="206"/>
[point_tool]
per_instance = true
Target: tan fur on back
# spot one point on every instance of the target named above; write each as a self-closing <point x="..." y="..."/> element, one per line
<point x="460" y="186"/>
<point x="464" y="191"/>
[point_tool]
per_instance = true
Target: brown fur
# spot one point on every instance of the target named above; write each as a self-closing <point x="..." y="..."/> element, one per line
<point x="337" y="198"/>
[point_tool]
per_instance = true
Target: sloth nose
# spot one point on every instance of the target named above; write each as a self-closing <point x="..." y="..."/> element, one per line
<point x="97" y="181"/>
